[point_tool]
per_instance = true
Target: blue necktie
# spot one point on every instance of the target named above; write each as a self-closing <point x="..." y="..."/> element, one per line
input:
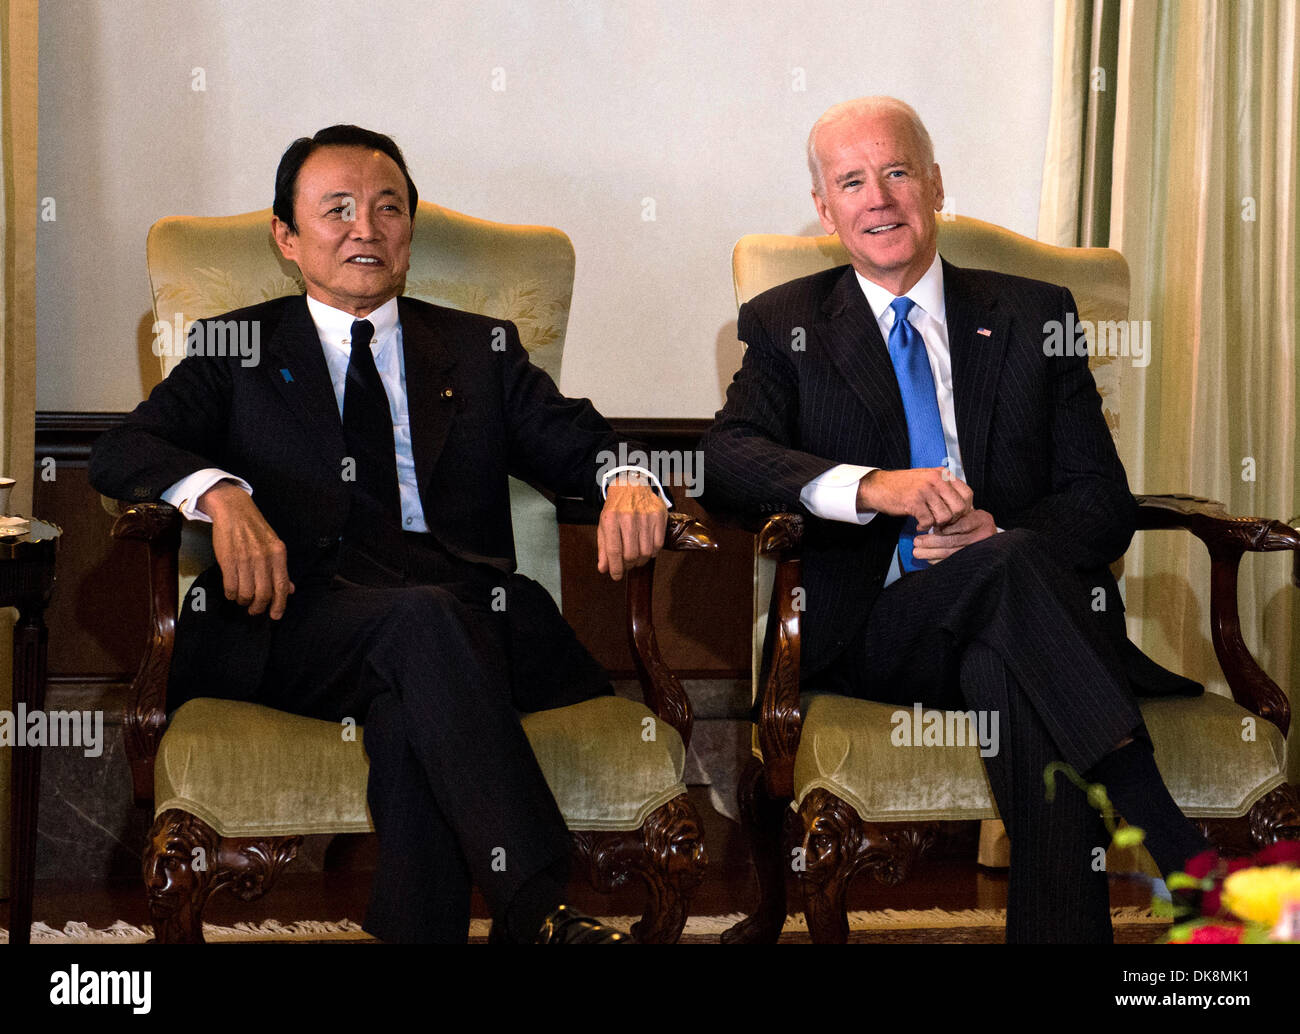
<point x="920" y="406"/>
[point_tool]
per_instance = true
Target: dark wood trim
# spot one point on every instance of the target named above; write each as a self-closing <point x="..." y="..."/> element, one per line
<point x="661" y="428"/>
<point x="68" y="436"/>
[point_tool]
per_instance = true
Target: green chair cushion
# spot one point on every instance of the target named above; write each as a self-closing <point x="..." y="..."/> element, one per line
<point x="1211" y="770"/>
<point x="609" y="762"/>
<point x="248" y="770"/>
<point x="845" y="748"/>
<point x="1216" y="757"/>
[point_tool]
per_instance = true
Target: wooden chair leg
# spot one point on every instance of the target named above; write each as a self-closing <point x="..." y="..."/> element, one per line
<point x="762" y="821"/>
<point x="666" y="853"/>
<point x="674" y="866"/>
<point x="186" y="861"/>
<point x="837" y="845"/>
<point x="830" y="857"/>
<point x="177" y="876"/>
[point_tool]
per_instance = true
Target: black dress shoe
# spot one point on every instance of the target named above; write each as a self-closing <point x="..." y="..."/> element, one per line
<point x="566" y="925"/>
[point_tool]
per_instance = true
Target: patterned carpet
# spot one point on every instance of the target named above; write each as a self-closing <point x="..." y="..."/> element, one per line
<point x="928" y="926"/>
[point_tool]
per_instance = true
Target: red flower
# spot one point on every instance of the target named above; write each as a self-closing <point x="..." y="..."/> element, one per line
<point x="1284" y="852"/>
<point x="1201" y="865"/>
<point x="1214" y="933"/>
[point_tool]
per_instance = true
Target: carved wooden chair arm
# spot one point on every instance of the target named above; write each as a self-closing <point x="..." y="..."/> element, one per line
<point x="660" y="687"/>
<point x="158" y="525"/>
<point x="776" y="529"/>
<point x="1227" y="537"/>
<point x="778" y="538"/>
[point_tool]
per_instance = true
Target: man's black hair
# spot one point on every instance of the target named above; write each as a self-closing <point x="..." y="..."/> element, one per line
<point x="286" y="176"/>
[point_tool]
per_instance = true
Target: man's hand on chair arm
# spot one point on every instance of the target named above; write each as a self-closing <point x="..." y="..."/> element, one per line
<point x="253" y="559"/>
<point x="632" y="524"/>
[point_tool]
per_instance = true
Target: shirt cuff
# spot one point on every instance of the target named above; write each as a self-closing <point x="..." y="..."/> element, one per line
<point x="833" y="495"/>
<point x="186" y="492"/>
<point x="654" y="482"/>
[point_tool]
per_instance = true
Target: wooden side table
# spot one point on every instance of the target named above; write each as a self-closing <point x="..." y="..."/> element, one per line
<point x="26" y="581"/>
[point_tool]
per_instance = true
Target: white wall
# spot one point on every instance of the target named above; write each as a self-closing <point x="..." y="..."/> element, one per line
<point x="605" y="104"/>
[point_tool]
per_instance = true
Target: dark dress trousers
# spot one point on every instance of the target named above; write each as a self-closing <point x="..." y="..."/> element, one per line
<point x="1008" y="624"/>
<point x="431" y="640"/>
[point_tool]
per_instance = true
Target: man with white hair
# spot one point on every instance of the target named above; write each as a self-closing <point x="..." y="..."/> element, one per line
<point x="964" y="499"/>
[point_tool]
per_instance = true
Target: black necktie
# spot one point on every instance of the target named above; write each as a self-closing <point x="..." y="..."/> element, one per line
<point x="368" y="427"/>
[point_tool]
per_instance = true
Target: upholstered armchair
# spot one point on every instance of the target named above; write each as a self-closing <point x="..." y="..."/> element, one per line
<point x="244" y="783"/>
<point x="823" y="777"/>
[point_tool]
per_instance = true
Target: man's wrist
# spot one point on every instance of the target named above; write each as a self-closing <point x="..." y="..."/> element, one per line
<point x="864" y="500"/>
<point x="218" y="497"/>
<point x="185" y="493"/>
<point x="833" y="494"/>
<point x="630" y="477"/>
<point x="633" y="476"/>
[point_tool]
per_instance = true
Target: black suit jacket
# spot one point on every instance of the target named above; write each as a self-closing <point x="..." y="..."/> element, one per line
<point x="1035" y="447"/>
<point x="479" y="412"/>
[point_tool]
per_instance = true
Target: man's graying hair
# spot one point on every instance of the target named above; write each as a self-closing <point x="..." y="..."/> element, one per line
<point x="855" y="109"/>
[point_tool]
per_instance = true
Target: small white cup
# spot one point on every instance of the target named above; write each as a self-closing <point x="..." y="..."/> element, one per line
<point x="6" y="486"/>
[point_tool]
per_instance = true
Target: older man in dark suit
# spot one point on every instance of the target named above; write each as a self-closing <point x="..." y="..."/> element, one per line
<point x="356" y="481"/>
<point x="966" y="500"/>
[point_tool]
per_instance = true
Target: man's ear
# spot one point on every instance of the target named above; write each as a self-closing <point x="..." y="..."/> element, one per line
<point x="285" y="239"/>
<point x="828" y="224"/>
<point x="937" y="178"/>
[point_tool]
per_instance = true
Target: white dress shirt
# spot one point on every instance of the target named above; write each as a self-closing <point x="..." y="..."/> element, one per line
<point x="334" y="328"/>
<point x="834" y="494"/>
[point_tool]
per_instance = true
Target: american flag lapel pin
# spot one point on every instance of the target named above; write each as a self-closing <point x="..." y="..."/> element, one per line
<point x="984" y="331"/>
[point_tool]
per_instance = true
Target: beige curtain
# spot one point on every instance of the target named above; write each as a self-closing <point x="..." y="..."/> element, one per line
<point x="18" y="216"/>
<point x="1202" y="185"/>
<point x="1074" y="210"/>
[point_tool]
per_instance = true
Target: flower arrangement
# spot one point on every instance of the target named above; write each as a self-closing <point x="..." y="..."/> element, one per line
<point x="1240" y="900"/>
<point x="1216" y="900"/>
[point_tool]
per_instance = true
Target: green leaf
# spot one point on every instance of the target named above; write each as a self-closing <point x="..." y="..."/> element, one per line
<point x="1182" y="930"/>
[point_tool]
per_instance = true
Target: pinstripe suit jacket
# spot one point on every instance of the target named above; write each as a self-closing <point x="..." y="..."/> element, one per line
<point x="1034" y="445"/>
